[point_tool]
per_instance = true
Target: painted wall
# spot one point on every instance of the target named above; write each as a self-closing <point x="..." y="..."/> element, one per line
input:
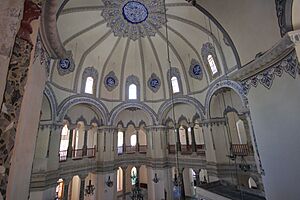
<point x="252" y="24"/>
<point x="275" y="115"/>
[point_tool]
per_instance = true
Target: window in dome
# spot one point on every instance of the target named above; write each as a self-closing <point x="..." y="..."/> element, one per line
<point x="133" y="140"/>
<point x="89" y="81"/>
<point x="89" y="85"/>
<point x="175" y="85"/>
<point x="133" y="176"/>
<point x="119" y="179"/>
<point x="212" y="64"/>
<point x="132" y="91"/>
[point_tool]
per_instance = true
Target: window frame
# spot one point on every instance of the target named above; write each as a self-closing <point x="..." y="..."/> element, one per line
<point x="174" y="72"/>
<point x="89" y="72"/>
<point x="207" y="50"/>
<point x="132" y="79"/>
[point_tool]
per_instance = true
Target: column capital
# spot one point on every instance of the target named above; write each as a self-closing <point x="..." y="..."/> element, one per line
<point x="67" y="180"/>
<point x="83" y="176"/>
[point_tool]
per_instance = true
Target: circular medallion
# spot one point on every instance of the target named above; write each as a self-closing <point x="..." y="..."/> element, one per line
<point x="197" y="70"/>
<point x="135" y="12"/>
<point x="154" y="83"/>
<point x="64" y="63"/>
<point x="110" y="81"/>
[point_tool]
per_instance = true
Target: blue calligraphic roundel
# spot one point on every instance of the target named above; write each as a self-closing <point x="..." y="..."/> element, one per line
<point x="135" y="12"/>
<point x="110" y="81"/>
<point x="65" y="63"/>
<point x="197" y="71"/>
<point x="154" y="83"/>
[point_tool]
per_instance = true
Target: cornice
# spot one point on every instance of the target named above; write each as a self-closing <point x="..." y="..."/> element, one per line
<point x="268" y="59"/>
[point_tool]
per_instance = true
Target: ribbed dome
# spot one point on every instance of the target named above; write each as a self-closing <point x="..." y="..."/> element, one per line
<point x="120" y="42"/>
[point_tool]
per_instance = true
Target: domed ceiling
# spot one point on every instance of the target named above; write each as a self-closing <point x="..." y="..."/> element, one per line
<point x="121" y="41"/>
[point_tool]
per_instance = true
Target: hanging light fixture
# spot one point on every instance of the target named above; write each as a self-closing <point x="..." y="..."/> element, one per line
<point x="155" y="179"/>
<point x="109" y="182"/>
<point x="90" y="188"/>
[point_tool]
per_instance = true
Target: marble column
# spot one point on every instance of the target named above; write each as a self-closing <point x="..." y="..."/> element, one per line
<point x="19" y="122"/>
<point x="10" y="20"/>
<point x="84" y="148"/>
<point x="70" y="146"/>
<point x="197" y="172"/>
<point x="178" y="143"/>
<point x="181" y="183"/>
<point x="194" y="145"/>
<point x="124" y="168"/>
<point x="66" y="188"/>
<point x="137" y="141"/>
<point x="82" y="186"/>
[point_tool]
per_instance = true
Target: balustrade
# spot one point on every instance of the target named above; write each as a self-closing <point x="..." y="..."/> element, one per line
<point x="77" y="154"/>
<point x="241" y="150"/>
<point x="132" y="149"/>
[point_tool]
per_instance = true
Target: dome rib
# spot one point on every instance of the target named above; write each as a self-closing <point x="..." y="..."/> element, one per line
<point x="191" y="46"/>
<point x="102" y="75"/>
<point x="85" y="54"/>
<point x="184" y="71"/>
<point x="159" y="65"/>
<point x="83" y="31"/>
<point x="142" y="66"/>
<point x="123" y="67"/>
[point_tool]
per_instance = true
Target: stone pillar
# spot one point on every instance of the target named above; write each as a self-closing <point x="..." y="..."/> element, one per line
<point x="84" y="148"/>
<point x="187" y="136"/>
<point x="124" y="141"/>
<point x="18" y="121"/>
<point x="70" y="146"/>
<point x="66" y="188"/>
<point x="137" y="141"/>
<point x="10" y="20"/>
<point x="194" y="147"/>
<point x="124" y="168"/>
<point x="181" y="183"/>
<point x="82" y="186"/>
<point x="178" y="143"/>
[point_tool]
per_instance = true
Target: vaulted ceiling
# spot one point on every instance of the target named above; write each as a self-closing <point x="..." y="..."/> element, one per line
<point x="122" y="39"/>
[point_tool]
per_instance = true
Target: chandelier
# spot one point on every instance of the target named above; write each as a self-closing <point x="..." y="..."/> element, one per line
<point x="89" y="190"/>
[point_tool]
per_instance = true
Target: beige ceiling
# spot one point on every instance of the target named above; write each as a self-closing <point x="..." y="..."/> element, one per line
<point x="84" y="31"/>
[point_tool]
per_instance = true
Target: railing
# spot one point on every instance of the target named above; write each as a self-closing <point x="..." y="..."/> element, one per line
<point x="63" y="156"/>
<point x="200" y="149"/>
<point x="171" y="148"/>
<point x="241" y="149"/>
<point x="132" y="149"/>
<point x="78" y="154"/>
<point x="186" y="149"/>
<point x="91" y="152"/>
<point x="143" y="149"/>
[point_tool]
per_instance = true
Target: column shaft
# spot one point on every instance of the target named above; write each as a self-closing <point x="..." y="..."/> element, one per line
<point x="194" y="145"/>
<point x="70" y="148"/>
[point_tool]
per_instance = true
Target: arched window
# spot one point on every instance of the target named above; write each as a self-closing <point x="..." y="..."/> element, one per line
<point x="212" y="64"/>
<point x="174" y="81"/>
<point x="120" y="142"/>
<point x="119" y="179"/>
<point x="133" y="140"/>
<point x="64" y="143"/>
<point x="89" y="85"/>
<point x="133" y="176"/>
<point x="210" y="59"/>
<point x="132" y="91"/>
<point x="89" y="80"/>
<point x="175" y="85"/>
